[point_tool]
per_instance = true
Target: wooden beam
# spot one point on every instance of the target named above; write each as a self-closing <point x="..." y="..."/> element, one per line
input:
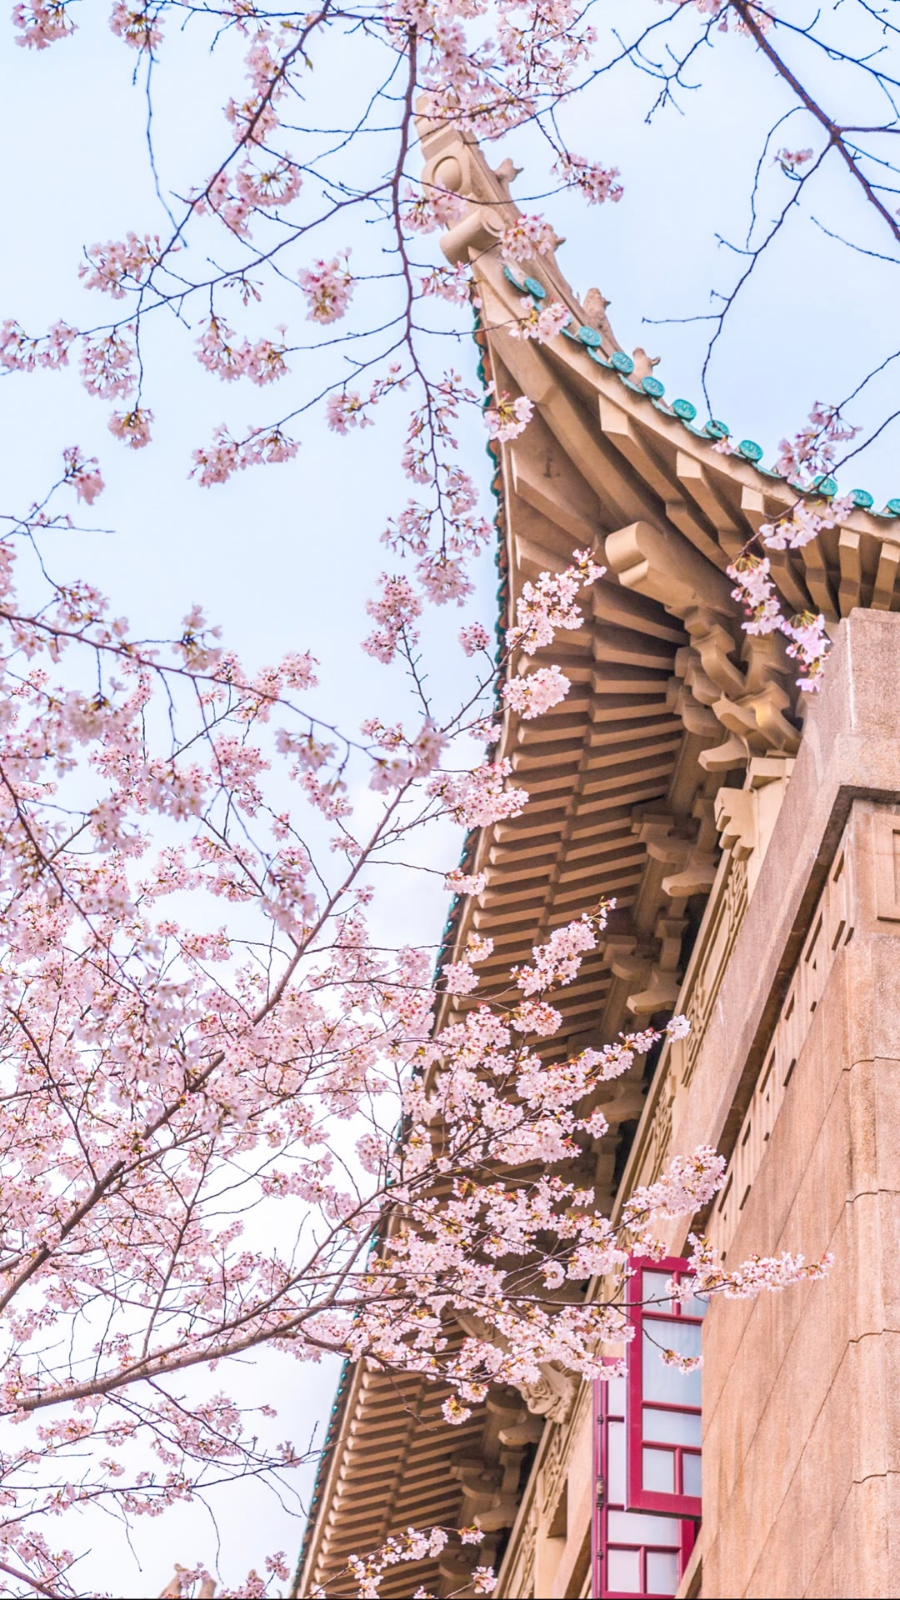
<point x="886" y="576"/>
<point x="818" y="582"/>
<point x="698" y="483"/>
<point x="851" y="570"/>
<point x="662" y="564"/>
<point x="619" y="493"/>
<point x="553" y="497"/>
<point x="632" y="443"/>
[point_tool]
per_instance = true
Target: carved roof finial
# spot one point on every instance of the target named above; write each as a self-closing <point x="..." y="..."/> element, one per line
<point x="643" y="364"/>
<point x="595" y="307"/>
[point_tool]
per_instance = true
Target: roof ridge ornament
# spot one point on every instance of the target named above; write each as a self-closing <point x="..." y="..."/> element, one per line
<point x="455" y="163"/>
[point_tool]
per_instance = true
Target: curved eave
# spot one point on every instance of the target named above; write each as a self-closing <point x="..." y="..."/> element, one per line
<point x="391" y="1471"/>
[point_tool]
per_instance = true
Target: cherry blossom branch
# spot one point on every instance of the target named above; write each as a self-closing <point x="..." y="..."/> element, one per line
<point x="749" y="15"/>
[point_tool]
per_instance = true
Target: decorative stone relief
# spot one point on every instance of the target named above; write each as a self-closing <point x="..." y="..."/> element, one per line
<point x="745" y="819"/>
<point x="662" y="1125"/>
<point x="552" y="1473"/>
<point x="551" y="1394"/>
<point x="527" y="1556"/>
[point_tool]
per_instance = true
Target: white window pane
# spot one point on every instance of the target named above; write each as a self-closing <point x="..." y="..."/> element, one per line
<point x="615" y="1464"/>
<point x="662" y="1572"/>
<point x="642" y="1527"/>
<point x="623" y="1571"/>
<point x="672" y="1427"/>
<point x="667" y="1384"/>
<point x="615" y="1397"/>
<point x="659" y="1470"/>
<point x="694" y="1307"/>
<point x="691" y="1474"/>
<point x="655" y="1292"/>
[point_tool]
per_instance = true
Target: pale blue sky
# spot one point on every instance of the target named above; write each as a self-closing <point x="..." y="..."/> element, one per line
<point x="285" y="557"/>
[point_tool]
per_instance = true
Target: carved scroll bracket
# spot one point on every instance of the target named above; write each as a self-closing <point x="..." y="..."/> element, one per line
<point x="551" y="1395"/>
<point x="725" y="680"/>
<point x="661" y="992"/>
<point x="746" y="817"/>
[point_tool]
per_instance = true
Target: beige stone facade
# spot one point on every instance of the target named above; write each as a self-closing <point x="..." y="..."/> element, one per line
<point x="798" y="1073"/>
<point x="753" y="846"/>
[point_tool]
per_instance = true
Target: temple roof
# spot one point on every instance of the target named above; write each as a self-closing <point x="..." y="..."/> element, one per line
<point x="670" y="699"/>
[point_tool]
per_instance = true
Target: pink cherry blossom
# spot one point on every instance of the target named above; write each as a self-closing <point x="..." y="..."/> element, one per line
<point x="760" y="14"/>
<point x="42" y="22"/>
<point x="755" y="589"/>
<point x="225" y="456"/>
<point x="791" y="159"/>
<point x="803" y="523"/>
<point x="107" y="365"/>
<point x="345" y="411"/>
<point x="541" y="324"/>
<point x="110" y="266"/>
<point x="233" y="210"/>
<point x="83" y="473"/>
<point x="681" y="1363"/>
<point x="809" y="644"/>
<point x="481" y="797"/>
<point x="808" y="639"/>
<point x="527" y="237"/>
<point x="269" y="187"/>
<point x="459" y="978"/>
<point x="411" y="759"/>
<point x="395" y="610"/>
<point x="813" y="450"/>
<point x="536" y="1016"/>
<point x="465" y="883"/>
<point x="473" y="638"/>
<point x="688" y="1184"/>
<point x="20" y="353"/>
<point x="221" y="352"/>
<point x="558" y="960"/>
<point x="449" y="283"/>
<point x="137" y="25"/>
<point x="507" y="418"/>
<point x="595" y="182"/>
<point x="710" y="1276"/>
<point x="253" y="119"/>
<point x="328" y="287"/>
<point x="432" y="208"/>
<point x="549" y="604"/>
<point x="537" y="692"/>
<point x="132" y="426"/>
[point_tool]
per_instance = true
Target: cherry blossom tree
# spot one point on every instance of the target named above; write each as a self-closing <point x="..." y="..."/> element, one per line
<point x="228" y="1121"/>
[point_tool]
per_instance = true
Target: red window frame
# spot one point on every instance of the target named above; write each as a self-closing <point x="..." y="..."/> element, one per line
<point x="611" y="1534"/>
<point x="671" y="1324"/>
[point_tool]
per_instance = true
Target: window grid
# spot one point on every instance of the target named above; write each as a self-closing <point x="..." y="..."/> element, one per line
<point x="634" y="1553"/>
<point x="664" y="1413"/>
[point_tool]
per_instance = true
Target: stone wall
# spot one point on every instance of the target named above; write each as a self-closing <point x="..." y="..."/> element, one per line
<point x="794" y="1073"/>
<point x="802" y="1390"/>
